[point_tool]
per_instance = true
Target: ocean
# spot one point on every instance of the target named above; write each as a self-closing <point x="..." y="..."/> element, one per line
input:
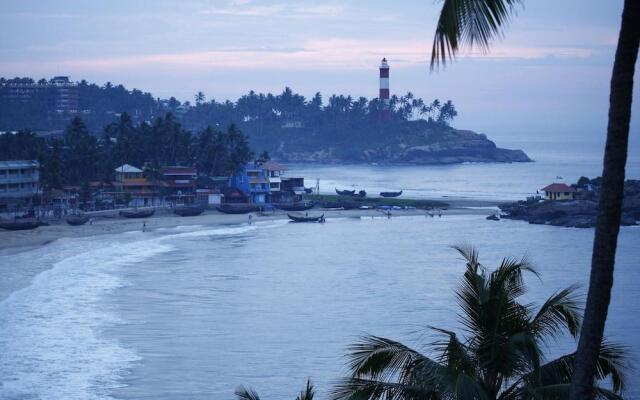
<point x="193" y="311"/>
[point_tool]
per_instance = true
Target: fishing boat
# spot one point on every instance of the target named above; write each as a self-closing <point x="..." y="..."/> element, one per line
<point x="390" y="194"/>
<point x="345" y="192"/>
<point x="299" y="206"/>
<point x="137" y="213"/>
<point x="361" y="194"/>
<point x="77" y="220"/>
<point x="188" y="211"/>
<point x="236" y="208"/>
<point x="20" y="225"/>
<point x="306" y="218"/>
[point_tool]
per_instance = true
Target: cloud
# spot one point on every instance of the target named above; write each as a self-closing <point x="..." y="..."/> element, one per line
<point x="245" y="8"/>
<point x="320" y="54"/>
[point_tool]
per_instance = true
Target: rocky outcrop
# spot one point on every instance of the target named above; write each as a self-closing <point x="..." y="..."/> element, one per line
<point x="579" y="213"/>
<point x="440" y="146"/>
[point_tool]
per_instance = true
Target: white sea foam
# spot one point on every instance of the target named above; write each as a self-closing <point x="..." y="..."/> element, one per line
<point x="51" y="345"/>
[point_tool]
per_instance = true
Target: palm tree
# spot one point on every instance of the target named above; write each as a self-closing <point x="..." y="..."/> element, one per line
<point x="499" y="355"/>
<point x="244" y="393"/>
<point x="478" y="22"/>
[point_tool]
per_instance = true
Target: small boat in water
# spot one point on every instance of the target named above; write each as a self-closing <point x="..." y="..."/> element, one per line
<point x="20" y="225"/>
<point x="306" y="218"/>
<point x="236" y="208"/>
<point x="299" y="206"/>
<point x="345" y="192"/>
<point x="188" y="211"/>
<point x="390" y="194"/>
<point x="137" y="213"/>
<point x="77" y="220"/>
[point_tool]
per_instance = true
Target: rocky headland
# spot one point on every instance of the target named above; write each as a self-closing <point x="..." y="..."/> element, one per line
<point x="415" y="144"/>
<point x="578" y="213"/>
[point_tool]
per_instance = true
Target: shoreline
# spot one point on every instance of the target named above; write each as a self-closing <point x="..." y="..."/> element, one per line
<point x="18" y="241"/>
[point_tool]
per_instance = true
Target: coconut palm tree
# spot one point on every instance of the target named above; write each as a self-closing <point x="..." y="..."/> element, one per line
<point x="478" y="22"/>
<point x="244" y="393"/>
<point x="499" y="354"/>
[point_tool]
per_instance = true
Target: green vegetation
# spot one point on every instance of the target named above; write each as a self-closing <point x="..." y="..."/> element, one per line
<point x="498" y="356"/>
<point x="478" y="22"/>
<point x="378" y="201"/>
<point x="79" y="157"/>
<point x="243" y="393"/>
<point x="283" y="124"/>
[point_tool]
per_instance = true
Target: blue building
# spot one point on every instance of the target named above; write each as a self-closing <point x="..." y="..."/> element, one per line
<point x="263" y="183"/>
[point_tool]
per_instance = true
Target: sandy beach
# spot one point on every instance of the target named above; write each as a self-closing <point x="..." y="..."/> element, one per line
<point x="22" y="240"/>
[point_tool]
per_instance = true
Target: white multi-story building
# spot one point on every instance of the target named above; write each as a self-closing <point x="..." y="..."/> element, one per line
<point x="19" y="181"/>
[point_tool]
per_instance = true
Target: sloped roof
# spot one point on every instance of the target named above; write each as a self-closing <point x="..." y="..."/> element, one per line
<point x="126" y="168"/>
<point x="558" y="187"/>
<point x="274" y="166"/>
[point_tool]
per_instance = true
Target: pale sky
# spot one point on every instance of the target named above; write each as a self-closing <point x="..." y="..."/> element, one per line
<point x="548" y="76"/>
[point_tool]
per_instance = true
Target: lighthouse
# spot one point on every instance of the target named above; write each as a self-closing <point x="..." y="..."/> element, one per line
<point x="384" y="82"/>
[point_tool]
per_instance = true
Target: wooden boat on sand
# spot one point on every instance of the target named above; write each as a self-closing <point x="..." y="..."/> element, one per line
<point x="188" y="211"/>
<point x="390" y="194"/>
<point x="77" y="220"/>
<point x="306" y="218"/>
<point x="137" y="213"/>
<point x="20" y="225"/>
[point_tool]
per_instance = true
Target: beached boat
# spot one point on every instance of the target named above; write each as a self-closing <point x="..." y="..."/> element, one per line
<point x="306" y="218"/>
<point x="299" y="206"/>
<point x="236" y="208"/>
<point x="361" y="194"/>
<point x="77" y="220"/>
<point x="20" y="225"/>
<point x="137" y="213"/>
<point x="188" y="211"/>
<point x="345" y="192"/>
<point x="390" y="194"/>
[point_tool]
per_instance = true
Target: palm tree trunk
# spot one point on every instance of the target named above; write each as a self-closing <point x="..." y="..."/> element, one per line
<point x="610" y="205"/>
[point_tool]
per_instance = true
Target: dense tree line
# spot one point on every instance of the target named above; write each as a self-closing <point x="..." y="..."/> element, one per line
<point x="270" y="120"/>
<point x="80" y="156"/>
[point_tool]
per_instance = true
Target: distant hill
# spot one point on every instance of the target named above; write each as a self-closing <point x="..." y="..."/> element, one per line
<point x="287" y="125"/>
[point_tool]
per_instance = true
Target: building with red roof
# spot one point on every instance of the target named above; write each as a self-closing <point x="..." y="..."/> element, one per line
<point x="559" y="191"/>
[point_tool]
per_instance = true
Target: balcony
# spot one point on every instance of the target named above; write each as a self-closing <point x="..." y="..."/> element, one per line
<point x="17" y="178"/>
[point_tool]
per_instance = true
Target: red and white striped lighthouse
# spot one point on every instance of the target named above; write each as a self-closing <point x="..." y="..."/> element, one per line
<point x="384" y="81"/>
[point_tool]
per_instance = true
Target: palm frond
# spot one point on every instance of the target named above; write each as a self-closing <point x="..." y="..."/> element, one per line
<point x="470" y="22"/>
<point x="366" y="389"/>
<point x="611" y="364"/>
<point x="561" y="310"/>
<point x="470" y="254"/>
<point x="245" y="393"/>
<point x="307" y="393"/>
<point x="508" y="277"/>
<point x="376" y="357"/>
<point x="468" y="389"/>
<point x="453" y="353"/>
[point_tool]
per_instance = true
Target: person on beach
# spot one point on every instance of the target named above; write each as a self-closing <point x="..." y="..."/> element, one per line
<point x="250" y="218"/>
<point x="144" y="227"/>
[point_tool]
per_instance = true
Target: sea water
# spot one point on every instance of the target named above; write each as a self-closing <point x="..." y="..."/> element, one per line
<point x="192" y="312"/>
<point x="195" y="312"/>
<point x="562" y="161"/>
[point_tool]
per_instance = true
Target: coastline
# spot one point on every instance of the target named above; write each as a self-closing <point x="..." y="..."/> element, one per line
<point x="17" y="241"/>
